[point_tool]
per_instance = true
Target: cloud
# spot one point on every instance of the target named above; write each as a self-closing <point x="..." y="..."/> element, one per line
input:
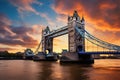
<point x="45" y="15"/>
<point x="102" y="14"/>
<point x="37" y="29"/>
<point x="5" y="20"/>
<point x="103" y="11"/>
<point x="61" y="18"/>
<point x="16" y="36"/>
<point x="25" y="6"/>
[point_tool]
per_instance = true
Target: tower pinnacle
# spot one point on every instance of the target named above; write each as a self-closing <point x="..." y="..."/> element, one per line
<point x="82" y="18"/>
<point x="75" y="14"/>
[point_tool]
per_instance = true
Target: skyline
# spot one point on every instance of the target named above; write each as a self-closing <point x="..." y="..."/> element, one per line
<point x="22" y="21"/>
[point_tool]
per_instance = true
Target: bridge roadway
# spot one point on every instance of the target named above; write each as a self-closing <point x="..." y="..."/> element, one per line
<point x="101" y="52"/>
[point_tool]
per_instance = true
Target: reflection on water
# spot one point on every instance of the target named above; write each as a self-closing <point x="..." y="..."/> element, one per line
<point x="104" y="69"/>
<point x="55" y="71"/>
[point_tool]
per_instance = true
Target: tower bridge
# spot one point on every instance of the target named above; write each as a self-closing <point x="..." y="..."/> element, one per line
<point x="76" y="41"/>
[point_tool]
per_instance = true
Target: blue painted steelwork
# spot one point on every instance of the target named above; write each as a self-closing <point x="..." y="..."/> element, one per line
<point x="101" y="52"/>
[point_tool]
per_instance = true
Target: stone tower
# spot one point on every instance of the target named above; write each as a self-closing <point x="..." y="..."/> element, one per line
<point x="76" y="41"/>
<point x="47" y="42"/>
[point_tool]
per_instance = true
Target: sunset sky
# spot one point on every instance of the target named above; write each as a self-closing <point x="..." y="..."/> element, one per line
<point x="21" y="21"/>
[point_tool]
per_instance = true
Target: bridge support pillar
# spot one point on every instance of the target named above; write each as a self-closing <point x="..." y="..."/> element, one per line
<point x="76" y="58"/>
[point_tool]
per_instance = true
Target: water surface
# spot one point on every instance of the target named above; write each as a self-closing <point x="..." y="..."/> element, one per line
<point x="102" y="69"/>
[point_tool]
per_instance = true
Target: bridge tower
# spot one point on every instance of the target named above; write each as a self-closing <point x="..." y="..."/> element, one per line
<point x="47" y="42"/>
<point x="76" y="42"/>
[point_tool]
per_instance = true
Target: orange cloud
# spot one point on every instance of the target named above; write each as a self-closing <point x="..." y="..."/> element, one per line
<point x="106" y="6"/>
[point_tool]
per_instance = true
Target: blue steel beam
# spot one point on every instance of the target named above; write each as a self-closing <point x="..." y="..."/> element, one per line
<point x="101" y="52"/>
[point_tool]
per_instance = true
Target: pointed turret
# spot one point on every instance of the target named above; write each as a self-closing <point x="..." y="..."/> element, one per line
<point x="47" y="30"/>
<point x="76" y="16"/>
<point x="82" y="20"/>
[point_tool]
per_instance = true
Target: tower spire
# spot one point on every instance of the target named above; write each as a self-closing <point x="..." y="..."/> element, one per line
<point x="75" y="14"/>
<point x="82" y="18"/>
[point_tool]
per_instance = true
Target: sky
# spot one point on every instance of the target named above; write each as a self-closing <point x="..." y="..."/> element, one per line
<point x="21" y="21"/>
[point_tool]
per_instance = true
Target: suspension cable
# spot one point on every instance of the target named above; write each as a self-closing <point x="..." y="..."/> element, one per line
<point x="99" y="42"/>
<point x="38" y="47"/>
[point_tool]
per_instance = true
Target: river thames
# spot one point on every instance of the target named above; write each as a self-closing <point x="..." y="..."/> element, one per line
<point x="102" y="69"/>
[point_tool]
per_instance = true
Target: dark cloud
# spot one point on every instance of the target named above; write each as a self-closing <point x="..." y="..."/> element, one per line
<point x="105" y="10"/>
<point x="12" y="36"/>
